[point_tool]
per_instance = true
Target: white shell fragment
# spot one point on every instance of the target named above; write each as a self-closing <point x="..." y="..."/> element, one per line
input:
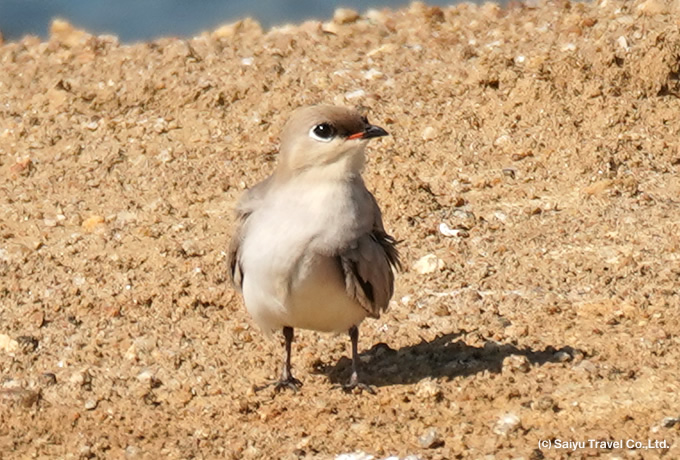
<point x="507" y="424"/>
<point x="445" y="230"/>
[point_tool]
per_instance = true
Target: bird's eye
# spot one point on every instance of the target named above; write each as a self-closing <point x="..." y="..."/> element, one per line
<point x="323" y="132"/>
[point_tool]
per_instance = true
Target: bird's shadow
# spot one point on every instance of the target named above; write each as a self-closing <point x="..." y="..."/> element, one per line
<point x="442" y="357"/>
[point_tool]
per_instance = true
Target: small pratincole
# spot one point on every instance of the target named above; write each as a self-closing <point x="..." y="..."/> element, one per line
<point x="310" y="250"/>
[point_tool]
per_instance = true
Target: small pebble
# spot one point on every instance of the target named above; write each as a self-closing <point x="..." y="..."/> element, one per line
<point x="330" y="28"/>
<point x="131" y="353"/>
<point x="241" y="27"/>
<point x="516" y="363"/>
<point x="165" y="156"/>
<point x="91" y="404"/>
<point x="355" y="456"/>
<point x="47" y="379"/>
<point x="429" y="133"/>
<point x="8" y="344"/>
<point x="430" y="439"/>
<point x="372" y="74"/>
<point x="428" y="264"/>
<point x="428" y="389"/>
<point x="652" y="7"/>
<point x="562" y="356"/>
<point x="50" y="222"/>
<point x="670" y="422"/>
<point x="543" y="404"/>
<point x="191" y="248"/>
<point x="387" y="48"/>
<point x="160" y="125"/>
<point x="376" y="16"/>
<point x="146" y="376"/>
<point x="442" y="310"/>
<point x="92" y="222"/>
<point x="24" y="397"/>
<point x="500" y="215"/>
<point x="507" y="424"/>
<point x="22" y="166"/>
<point x="92" y="126"/>
<point x="586" y="366"/>
<point x="345" y="16"/>
<point x="86" y="451"/>
<point x="355" y="94"/>
<point x="445" y="230"/>
<point x="132" y="451"/>
<point x="66" y="34"/>
<point x="27" y="343"/>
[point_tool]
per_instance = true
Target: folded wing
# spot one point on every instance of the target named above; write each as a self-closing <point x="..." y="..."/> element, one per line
<point x="368" y="267"/>
<point x="248" y="203"/>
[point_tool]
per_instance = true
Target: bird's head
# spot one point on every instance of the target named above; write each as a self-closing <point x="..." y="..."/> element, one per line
<point x="324" y="135"/>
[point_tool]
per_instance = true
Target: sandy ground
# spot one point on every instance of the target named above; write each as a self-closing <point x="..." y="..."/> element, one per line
<point x="546" y="136"/>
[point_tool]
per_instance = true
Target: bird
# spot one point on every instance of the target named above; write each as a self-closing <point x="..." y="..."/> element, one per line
<point x="310" y="250"/>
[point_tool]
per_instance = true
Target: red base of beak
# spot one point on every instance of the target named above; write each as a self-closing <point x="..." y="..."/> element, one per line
<point x="370" y="132"/>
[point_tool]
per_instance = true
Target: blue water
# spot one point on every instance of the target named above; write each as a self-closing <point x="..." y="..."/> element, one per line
<point x="141" y="20"/>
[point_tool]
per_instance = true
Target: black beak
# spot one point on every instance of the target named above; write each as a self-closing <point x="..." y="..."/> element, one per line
<point x="374" y="131"/>
<point x="370" y="132"/>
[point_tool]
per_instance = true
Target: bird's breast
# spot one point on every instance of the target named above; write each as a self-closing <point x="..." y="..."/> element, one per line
<point x="330" y="213"/>
<point x="321" y="217"/>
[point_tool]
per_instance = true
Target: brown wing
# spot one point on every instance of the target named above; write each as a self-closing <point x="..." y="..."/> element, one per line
<point x="368" y="268"/>
<point x="246" y="205"/>
<point x="234" y="254"/>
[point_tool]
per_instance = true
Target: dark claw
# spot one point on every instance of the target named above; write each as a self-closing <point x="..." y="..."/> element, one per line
<point x="354" y="385"/>
<point x="291" y="383"/>
<point x="358" y="386"/>
<point x="287" y="381"/>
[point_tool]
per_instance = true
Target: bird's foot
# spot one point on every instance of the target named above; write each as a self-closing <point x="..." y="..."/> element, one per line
<point x="355" y="386"/>
<point x="358" y="387"/>
<point x="290" y="383"/>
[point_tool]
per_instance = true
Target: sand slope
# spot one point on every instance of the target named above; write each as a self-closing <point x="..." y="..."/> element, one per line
<point x="547" y="135"/>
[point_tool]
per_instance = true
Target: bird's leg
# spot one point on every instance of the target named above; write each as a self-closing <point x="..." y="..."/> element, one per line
<point x="354" y="379"/>
<point x="287" y="380"/>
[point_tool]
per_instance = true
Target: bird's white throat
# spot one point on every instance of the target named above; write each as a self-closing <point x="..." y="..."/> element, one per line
<point x="346" y="165"/>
